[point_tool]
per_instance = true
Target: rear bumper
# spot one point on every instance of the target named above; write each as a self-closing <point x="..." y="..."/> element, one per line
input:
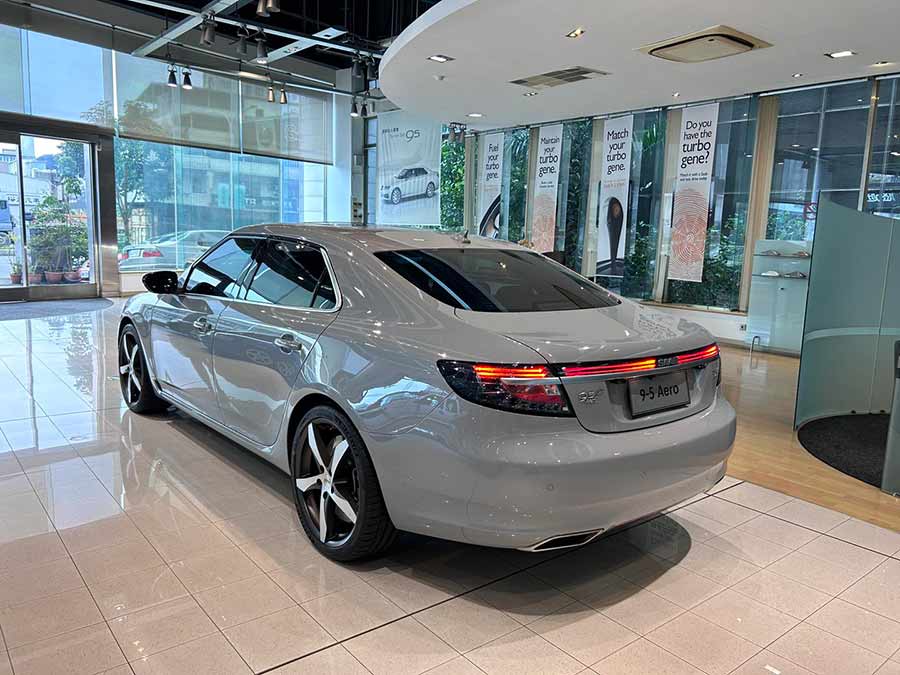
<point x="492" y="478"/>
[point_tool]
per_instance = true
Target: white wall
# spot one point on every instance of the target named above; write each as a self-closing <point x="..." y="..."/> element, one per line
<point x="723" y="325"/>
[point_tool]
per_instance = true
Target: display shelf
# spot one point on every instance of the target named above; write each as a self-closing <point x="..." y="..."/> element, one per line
<point x="772" y="255"/>
<point x="780" y="277"/>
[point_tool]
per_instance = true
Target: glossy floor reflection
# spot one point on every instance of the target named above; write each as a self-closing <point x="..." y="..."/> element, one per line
<point x="153" y="545"/>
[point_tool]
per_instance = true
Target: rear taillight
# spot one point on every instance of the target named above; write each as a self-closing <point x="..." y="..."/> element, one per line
<point x="638" y="365"/>
<point x="152" y="253"/>
<point x="522" y="389"/>
<point x="123" y="255"/>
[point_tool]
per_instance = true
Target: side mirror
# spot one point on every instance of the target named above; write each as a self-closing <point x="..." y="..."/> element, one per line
<point x="163" y="281"/>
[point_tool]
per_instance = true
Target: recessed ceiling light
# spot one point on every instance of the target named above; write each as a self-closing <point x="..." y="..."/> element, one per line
<point x="475" y="115"/>
<point x="676" y="94"/>
<point x="815" y="149"/>
<point x="530" y="93"/>
<point x="575" y="32"/>
<point x="440" y="58"/>
<point x="881" y="64"/>
<point x="895" y="153"/>
<point x="841" y="54"/>
<point x="796" y="75"/>
<point x="795" y="145"/>
<point x="748" y="155"/>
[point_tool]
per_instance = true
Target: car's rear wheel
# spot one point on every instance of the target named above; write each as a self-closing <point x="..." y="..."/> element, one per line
<point x="396" y="196"/>
<point x="336" y="490"/>
<point x="429" y="191"/>
<point x="134" y="377"/>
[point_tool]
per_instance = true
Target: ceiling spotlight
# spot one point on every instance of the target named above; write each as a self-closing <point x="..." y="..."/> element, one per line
<point x="371" y="69"/>
<point x="172" y="81"/>
<point x="274" y="6"/>
<point x="795" y="145"/>
<point x="262" y="52"/>
<point x="364" y="110"/>
<point x="894" y="153"/>
<point x="530" y="93"/>
<point x="440" y="58"/>
<point x="357" y="68"/>
<point x="208" y="31"/>
<point x="270" y="95"/>
<point x="262" y="9"/>
<point x="186" y="79"/>
<point x="575" y="32"/>
<point x="676" y="94"/>
<point x="815" y="149"/>
<point x="354" y="109"/>
<point x="243" y="36"/>
<point x="282" y="99"/>
<point x="475" y="115"/>
<point x="797" y="75"/>
<point x="840" y="55"/>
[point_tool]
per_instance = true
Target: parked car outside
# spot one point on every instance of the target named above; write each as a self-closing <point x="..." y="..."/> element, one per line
<point x="168" y="251"/>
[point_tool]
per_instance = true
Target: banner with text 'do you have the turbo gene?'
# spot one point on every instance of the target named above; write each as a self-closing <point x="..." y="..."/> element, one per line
<point x="409" y="170"/>
<point x="614" y="181"/>
<point x="690" y="213"/>
<point x="490" y="174"/>
<point x="546" y="182"/>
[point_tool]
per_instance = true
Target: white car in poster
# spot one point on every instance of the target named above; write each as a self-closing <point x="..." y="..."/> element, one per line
<point x="414" y="181"/>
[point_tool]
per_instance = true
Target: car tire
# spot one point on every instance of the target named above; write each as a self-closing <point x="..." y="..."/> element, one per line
<point x="134" y="376"/>
<point x="350" y="485"/>
<point x="396" y="196"/>
<point x="429" y="191"/>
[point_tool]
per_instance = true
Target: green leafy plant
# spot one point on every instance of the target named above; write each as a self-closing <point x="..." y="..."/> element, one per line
<point x="453" y="170"/>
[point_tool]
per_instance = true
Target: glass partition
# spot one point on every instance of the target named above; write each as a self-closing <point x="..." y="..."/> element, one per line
<point x="819" y="149"/>
<point x="12" y="79"/>
<point x="883" y="194"/>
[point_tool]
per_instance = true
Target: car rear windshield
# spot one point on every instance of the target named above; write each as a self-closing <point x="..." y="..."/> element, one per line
<point x="496" y="280"/>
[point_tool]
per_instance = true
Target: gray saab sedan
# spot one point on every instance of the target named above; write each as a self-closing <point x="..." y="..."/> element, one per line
<point x="471" y="390"/>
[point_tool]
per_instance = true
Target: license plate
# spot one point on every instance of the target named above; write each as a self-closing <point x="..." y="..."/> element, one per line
<point x="658" y="392"/>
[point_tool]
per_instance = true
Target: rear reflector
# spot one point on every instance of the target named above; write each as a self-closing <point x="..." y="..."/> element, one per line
<point x="625" y="367"/>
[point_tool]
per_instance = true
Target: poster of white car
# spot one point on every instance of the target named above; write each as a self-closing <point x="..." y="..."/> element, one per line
<point x="415" y="181"/>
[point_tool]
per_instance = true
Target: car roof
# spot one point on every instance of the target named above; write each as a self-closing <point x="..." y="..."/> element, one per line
<point x="372" y="239"/>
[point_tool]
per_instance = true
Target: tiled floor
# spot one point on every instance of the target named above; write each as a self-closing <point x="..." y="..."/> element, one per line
<point x="153" y="545"/>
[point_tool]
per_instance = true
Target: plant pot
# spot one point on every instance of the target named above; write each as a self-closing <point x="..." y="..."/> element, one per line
<point x="35" y="278"/>
<point x="53" y="277"/>
<point x="15" y="278"/>
<point x="73" y="277"/>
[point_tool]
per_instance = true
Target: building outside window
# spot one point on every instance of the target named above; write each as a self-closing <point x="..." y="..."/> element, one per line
<point x="819" y="154"/>
<point x="883" y="193"/>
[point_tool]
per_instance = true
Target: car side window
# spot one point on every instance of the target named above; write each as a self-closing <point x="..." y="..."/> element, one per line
<point x="219" y="271"/>
<point x="292" y="274"/>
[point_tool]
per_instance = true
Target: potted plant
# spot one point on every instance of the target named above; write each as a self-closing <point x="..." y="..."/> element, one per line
<point x="15" y="273"/>
<point x="35" y="276"/>
<point x="53" y="276"/>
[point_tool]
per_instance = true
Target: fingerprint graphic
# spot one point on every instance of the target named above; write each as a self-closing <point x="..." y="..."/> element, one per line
<point x="543" y="228"/>
<point x="688" y="235"/>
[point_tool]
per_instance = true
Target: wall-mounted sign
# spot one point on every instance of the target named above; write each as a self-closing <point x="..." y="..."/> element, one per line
<point x="546" y="182"/>
<point x="690" y="214"/>
<point x="409" y="170"/>
<point x="614" y="181"/>
<point x="490" y="174"/>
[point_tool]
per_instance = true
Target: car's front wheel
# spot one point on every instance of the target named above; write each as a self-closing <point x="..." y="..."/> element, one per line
<point x="336" y="490"/>
<point x="396" y="196"/>
<point x="429" y="191"/>
<point x="134" y="377"/>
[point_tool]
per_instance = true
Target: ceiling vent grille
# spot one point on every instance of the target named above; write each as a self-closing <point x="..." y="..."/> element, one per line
<point x="557" y="78"/>
<point x="716" y="42"/>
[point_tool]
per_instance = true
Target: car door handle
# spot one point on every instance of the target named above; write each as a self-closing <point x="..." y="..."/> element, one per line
<point x="202" y="324"/>
<point x="288" y="343"/>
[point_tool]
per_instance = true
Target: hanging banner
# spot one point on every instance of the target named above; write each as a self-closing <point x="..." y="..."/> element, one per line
<point x="546" y="180"/>
<point x="409" y="170"/>
<point x="614" y="181"/>
<point x="490" y="173"/>
<point x="690" y="213"/>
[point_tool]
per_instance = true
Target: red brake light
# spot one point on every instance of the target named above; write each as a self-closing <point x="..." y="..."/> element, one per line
<point x="123" y="255"/>
<point x="507" y="387"/>
<point x="152" y="253"/>
<point x="638" y="365"/>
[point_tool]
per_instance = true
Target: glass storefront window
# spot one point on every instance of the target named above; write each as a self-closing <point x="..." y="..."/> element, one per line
<point x="371" y="149"/>
<point x="642" y="218"/>
<point x="883" y="194"/>
<point x="514" y="185"/>
<point x="729" y="200"/>
<point x="572" y="195"/>
<point x="819" y="153"/>
<point x="174" y="202"/>
<point x="453" y="181"/>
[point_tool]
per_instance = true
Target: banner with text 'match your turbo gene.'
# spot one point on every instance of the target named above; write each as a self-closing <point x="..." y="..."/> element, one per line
<point x="490" y="173"/>
<point x="690" y="213"/>
<point x="409" y="170"/>
<point x="614" y="182"/>
<point x="546" y="182"/>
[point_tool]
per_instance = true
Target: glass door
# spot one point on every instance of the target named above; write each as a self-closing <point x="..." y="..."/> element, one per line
<point x="47" y="218"/>
<point x="12" y="275"/>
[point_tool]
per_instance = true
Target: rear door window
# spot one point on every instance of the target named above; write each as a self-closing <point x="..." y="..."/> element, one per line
<point x="292" y="274"/>
<point x="496" y="280"/>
